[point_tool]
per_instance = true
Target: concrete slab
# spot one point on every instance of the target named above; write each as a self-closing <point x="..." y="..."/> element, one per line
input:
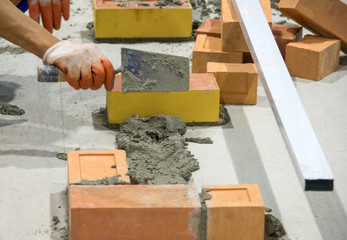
<point x="250" y="149"/>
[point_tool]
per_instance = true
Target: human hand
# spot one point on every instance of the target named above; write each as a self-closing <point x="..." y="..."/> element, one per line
<point x="84" y="64"/>
<point x="51" y="12"/>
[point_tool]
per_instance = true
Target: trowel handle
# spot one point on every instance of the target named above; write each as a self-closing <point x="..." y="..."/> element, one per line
<point x="50" y="73"/>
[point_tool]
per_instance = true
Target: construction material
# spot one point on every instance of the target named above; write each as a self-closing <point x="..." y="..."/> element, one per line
<point x="134" y="212"/>
<point x="156" y="151"/>
<point x="95" y="165"/>
<point x="209" y="49"/>
<point x="153" y="72"/>
<point x="199" y="104"/>
<point x="211" y="27"/>
<point x="313" y="57"/>
<point x="237" y="82"/>
<point x="235" y="212"/>
<point x="138" y="19"/>
<point x="326" y="18"/>
<point x="232" y="36"/>
<point x="8" y="109"/>
<point x="285" y="34"/>
<point x="308" y="158"/>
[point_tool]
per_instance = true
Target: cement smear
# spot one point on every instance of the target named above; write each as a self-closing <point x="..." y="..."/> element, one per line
<point x="168" y="3"/>
<point x="153" y="72"/>
<point x="8" y="109"/>
<point x="204" y="195"/>
<point x="199" y="140"/>
<point x="12" y="50"/>
<point x="114" y="180"/>
<point x="156" y="152"/>
<point x="61" y="156"/>
<point x="224" y="118"/>
<point x="273" y="227"/>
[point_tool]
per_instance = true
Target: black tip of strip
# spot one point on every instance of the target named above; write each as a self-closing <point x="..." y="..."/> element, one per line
<point x="319" y="185"/>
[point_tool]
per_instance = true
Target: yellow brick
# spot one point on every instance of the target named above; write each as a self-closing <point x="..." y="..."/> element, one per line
<point x="133" y="21"/>
<point x="199" y="104"/>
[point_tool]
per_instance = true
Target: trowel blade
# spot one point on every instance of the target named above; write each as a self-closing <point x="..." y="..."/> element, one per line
<point x="153" y="72"/>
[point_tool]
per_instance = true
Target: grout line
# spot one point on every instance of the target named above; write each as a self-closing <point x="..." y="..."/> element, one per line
<point x="62" y="116"/>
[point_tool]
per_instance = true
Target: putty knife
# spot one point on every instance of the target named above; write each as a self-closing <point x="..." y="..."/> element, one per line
<point x="141" y="72"/>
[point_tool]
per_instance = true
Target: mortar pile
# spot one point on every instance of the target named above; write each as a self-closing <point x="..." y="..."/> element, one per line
<point x="156" y="150"/>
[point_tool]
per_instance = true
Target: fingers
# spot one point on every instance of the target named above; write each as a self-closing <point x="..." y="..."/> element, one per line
<point x="109" y="73"/>
<point x="66" y="9"/>
<point x="34" y="10"/>
<point x="47" y="17"/>
<point x="86" y="81"/>
<point x="56" y="14"/>
<point x="73" y="83"/>
<point x="98" y="77"/>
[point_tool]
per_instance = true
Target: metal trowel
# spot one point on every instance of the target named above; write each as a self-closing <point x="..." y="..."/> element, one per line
<point x="141" y="71"/>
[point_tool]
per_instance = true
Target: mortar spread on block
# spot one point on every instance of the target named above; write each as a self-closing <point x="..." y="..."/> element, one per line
<point x="156" y="150"/>
<point x="153" y="72"/>
<point x="204" y="195"/>
<point x="114" y="180"/>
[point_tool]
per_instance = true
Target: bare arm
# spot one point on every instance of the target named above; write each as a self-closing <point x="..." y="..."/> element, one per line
<point x="21" y="30"/>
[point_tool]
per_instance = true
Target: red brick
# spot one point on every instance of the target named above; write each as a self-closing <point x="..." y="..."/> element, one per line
<point x="313" y="57"/>
<point x="232" y="36"/>
<point x="211" y="27"/>
<point x="209" y="49"/>
<point x="238" y="83"/>
<point x="96" y="164"/>
<point x="235" y="212"/>
<point x="326" y="18"/>
<point x="133" y="212"/>
<point x="285" y="34"/>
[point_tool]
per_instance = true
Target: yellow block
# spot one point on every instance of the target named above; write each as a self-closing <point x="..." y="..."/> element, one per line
<point x="133" y="20"/>
<point x="199" y="104"/>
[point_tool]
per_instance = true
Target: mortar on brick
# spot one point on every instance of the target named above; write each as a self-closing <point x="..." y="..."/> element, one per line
<point x="156" y="152"/>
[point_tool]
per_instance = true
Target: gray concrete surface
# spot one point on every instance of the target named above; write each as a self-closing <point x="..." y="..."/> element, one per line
<point x="250" y="149"/>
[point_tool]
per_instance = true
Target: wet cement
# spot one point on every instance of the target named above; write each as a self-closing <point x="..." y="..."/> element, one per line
<point x="114" y="180"/>
<point x="153" y="72"/>
<point x="168" y="3"/>
<point x="12" y="50"/>
<point x="8" y="109"/>
<point x="61" y="156"/>
<point x="199" y="140"/>
<point x="204" y="195"/>
<point x="273" y="227"/>
<point x="224" y="118"/>
<point x="156" y="151"/>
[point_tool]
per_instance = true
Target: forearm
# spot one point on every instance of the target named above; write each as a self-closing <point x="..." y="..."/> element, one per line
<point x="21" y="30"/>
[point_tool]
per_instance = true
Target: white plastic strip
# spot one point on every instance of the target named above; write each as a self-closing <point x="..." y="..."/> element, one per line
<point x="303" y="146"/>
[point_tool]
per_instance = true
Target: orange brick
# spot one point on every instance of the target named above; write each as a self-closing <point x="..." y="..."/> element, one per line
<point x="209" y="49"/>
<point x="313" y="57"/>
<point x="324" y="17"/>
<point x="96" y="164"/>
<point x="133" y="212"/>
<point x="211" y="27"/>
<point x="285" y="34"/>
<point x="235" y="212"/>
<point x="237" y="82"/>
<point x="232" y="36"/>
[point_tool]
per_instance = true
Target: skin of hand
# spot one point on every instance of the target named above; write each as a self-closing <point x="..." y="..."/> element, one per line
<point x="84" y="64"/>
<point x="51" y="12"/>
<point x="21" y="30"/>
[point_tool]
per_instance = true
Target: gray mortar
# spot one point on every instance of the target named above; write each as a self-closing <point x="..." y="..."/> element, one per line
<point x="156" y="152"/>
<point x="168" y="3"/>
<point x="199" y="140"/>
<point x="159" y="72"/>
<point x="204" y="195"/>
<point x="61" y="156"/>
<point x="273" y="227"/>
<point x="224" y="118"/>
<point x="8" y="109"/>
<point x="114" y="180"/>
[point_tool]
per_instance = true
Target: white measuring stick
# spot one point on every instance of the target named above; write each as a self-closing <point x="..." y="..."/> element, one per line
<point x="307" y="155"/>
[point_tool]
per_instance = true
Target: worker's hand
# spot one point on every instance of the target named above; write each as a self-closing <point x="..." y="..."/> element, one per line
<point x="85" y="66"/>
<point x="51" y="12"/>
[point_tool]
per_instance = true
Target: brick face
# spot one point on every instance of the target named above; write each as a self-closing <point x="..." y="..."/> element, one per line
<point x="132" y="212"/>
<point x="313" y="57"/>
